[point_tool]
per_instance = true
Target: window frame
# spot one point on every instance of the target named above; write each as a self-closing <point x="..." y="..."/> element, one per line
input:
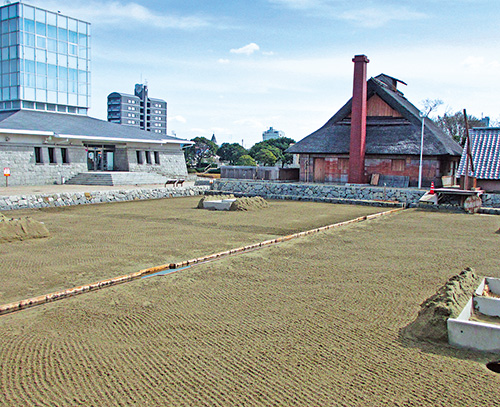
<point x="139" y="157"/>
<point x="52" y="155"/>
<point x="64" y="155"/>
<point x="38" y="155"/>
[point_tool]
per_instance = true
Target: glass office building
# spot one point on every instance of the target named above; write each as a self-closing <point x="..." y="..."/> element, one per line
<point x="45" y="60"/>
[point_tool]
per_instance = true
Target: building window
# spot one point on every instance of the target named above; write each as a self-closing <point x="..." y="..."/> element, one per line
<point x="148" y="157"/>
<point x="398" y="165"/>
<point x="38" y="155"/>
<point x="64" y="155"/>
<point x="139" y="157"/>
<point x="52" y="155"/>
<point x="157" y="158"/>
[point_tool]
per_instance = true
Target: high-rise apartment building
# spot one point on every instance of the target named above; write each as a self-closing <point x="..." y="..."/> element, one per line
<point x="138" y="110"/>
<point x="45" y="60"/>
<point x="272" y="133"/>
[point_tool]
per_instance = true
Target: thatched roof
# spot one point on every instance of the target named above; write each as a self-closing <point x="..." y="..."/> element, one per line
<point x="384" y="135"/>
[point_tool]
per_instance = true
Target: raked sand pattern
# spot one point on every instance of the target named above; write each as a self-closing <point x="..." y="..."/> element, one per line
<point x="312" y="322"/>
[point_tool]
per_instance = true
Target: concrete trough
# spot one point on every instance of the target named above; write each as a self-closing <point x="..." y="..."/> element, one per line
<point x="218" y="205"/>
<point x="478" y="335"/>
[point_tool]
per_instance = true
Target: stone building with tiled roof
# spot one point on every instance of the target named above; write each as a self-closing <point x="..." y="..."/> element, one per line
<point x="45" y="148"/>
<point x="485" y="151"/>
<point x="392" y="141"/>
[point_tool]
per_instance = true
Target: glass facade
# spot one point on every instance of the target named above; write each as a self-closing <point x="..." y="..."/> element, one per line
<point x="45" y="60"/>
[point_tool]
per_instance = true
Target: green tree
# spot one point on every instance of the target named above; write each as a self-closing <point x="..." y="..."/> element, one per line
<point x="246" y="160"/>
<point x="277" y="147"/>
<point x="453" y="124"/>
<point x="231" y="152"/>
<point x="267" y="156"/>
<point x="203" y="150"/>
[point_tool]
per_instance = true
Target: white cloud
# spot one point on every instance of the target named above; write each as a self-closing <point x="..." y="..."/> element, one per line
<point x="223" y="61"/>
<point x="124" y="14"/>
<point x="199" y="130"/>
<point x="480" y="65"/>
<point x="378" y="17"/>
<point x="298" y="4"/>
<point x="255" y="123"/>
<point x="269" y="53"/>
<point x="247" y="49"/>
<point x="178" y="119"/>
<point x="365" y="13"/>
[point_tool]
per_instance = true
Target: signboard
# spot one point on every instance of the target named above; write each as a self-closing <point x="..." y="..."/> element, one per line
<point x="6" y="171"/>
<point x="472" y="204"/>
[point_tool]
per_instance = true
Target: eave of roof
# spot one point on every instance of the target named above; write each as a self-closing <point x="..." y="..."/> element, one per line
<point x="78" y="127"/>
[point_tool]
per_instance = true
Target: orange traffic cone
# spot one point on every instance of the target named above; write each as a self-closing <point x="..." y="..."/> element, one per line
<point x="432" y="188"/>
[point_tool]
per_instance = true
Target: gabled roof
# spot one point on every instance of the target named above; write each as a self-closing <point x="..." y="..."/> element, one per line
<point x="79" y="127"/>
<point x="485" y="150"/>
<point x="384" y="135"/>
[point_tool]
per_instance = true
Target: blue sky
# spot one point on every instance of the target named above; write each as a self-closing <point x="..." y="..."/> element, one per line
<point x="235" y="68"/>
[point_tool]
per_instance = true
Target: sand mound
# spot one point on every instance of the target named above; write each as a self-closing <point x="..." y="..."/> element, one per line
<point x="249" y="204"/>
<point x="21" y="229"/>
<point x="447" y="303"/>
<point x="213" y="198"/>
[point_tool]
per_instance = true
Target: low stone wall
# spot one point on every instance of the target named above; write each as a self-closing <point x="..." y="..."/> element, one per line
<point x="82" y="198"/>
<point x="361" y="194"/>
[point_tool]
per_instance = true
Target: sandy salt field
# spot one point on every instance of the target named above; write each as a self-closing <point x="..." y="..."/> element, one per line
<point x="312" y="322"/>
<point x="94" y="242"/>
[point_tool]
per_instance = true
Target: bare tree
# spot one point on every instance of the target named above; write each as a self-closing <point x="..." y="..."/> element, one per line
<point x="429" y="105"/>
<point x="453" y="124"/>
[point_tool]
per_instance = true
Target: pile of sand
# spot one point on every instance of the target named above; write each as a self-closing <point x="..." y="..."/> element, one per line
<point x="213" y="198"/>
<point x="21" y="229"/>
<point x="448" y="302"/>
<point x="249" y="204"/>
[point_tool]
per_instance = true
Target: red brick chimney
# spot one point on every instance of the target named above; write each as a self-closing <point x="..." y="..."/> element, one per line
<point x="358" y="122"/>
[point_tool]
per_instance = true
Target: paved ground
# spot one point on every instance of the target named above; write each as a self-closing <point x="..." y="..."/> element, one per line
<point x="54" y="189"/>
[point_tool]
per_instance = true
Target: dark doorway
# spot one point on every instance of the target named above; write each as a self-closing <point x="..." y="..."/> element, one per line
<point x="100" y="158"/>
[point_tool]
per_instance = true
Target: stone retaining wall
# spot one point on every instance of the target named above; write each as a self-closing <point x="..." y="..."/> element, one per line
<point x="82" y="198"/>
<point x="362" y="194"/>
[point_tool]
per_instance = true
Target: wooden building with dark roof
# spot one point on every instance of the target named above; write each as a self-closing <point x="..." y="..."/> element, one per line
<point x="391" y="141"/>
<point x="485" y="151"/>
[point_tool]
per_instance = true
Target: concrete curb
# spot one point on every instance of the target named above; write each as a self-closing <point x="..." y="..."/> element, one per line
<point x="59" y="295"/>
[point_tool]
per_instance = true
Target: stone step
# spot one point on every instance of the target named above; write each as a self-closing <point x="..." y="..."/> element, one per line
<point x="116" y="178"/>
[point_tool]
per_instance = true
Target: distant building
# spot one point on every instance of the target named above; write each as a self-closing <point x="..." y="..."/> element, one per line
<point x="485" y="121"/>
<point x="45" y="60"/>
<point x="45" y="134"/>
<point x="271" y="133"/>
<point x="214" y="140"/>
<point x="138" y="110"/>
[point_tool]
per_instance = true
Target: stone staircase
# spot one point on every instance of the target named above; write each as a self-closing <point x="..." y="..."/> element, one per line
<point x="116" y="178"/>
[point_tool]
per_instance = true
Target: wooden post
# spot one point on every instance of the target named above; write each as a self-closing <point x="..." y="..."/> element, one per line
<point x="468" y="156"/>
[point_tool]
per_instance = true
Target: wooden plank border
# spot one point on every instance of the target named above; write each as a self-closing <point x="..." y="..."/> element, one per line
<point x="59" y="295"/>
